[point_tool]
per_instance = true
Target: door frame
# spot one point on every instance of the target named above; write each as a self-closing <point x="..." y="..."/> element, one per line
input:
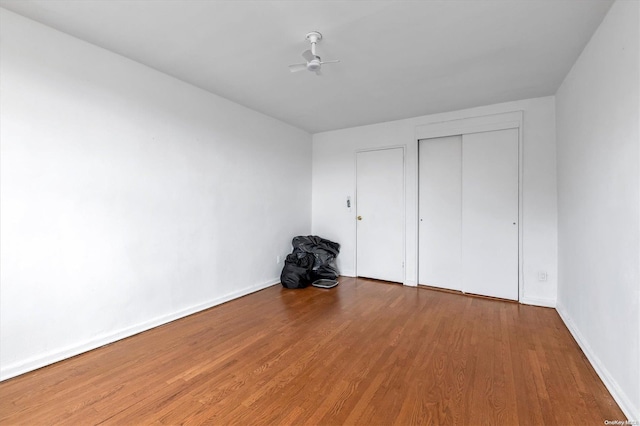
<point x="404" y="204"/>
<point x="485" y="123"/>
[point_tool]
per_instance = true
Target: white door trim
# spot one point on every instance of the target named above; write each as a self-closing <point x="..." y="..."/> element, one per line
<point x="404" y="205"/>
<point x="485" y="123"/>
<point x="476" y="124"/>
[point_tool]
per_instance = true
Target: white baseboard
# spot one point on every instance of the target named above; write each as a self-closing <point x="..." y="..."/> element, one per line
<point x="546" y="303"/>
<point x="628" y="408"/>
<point x="411" y="283"/>
<point x="39" y="361"/>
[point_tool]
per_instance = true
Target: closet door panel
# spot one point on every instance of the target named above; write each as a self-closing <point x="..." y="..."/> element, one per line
<point x="440" y="209"/>
<point x="490" y="213"/>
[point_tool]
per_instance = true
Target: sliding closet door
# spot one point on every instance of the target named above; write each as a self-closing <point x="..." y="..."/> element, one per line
<point x="440" y="251"/>
<point x="490" y="213"/>
<point x="468" y="207"/>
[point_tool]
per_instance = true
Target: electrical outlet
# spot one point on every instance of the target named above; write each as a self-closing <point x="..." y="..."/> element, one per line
<point x="278" y="260"/>
<point x="542" y="276"/>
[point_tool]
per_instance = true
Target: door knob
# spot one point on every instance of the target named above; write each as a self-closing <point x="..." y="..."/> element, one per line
<point x="359" y="218"/>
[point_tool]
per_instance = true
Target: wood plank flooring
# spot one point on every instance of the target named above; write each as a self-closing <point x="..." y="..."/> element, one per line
<point x="365" y="352"/>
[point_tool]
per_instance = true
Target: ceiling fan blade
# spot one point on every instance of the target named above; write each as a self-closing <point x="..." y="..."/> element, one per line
<point x="308" y="55"/>
<point x="329" y="62"/>
<point x="318" y="72"/>
<point x="297" y="67"/>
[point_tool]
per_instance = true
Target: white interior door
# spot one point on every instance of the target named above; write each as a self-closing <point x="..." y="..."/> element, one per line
<point x="490" y="213"/>
<point x="440" y="210"/>
<point x="380" y="214"/>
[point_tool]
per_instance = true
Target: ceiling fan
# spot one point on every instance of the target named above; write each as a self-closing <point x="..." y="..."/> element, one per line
<point x="314" y="63"/>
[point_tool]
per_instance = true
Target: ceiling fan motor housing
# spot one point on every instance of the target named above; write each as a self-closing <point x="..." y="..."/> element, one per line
<point x="314" y="64"/>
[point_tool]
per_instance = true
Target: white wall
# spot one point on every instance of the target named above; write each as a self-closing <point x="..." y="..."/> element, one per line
<point x="334" y="179"/>
<point x="129" y="198"/>
<point x="599" y="203"/>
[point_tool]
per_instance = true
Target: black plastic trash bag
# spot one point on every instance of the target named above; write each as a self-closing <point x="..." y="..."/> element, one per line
<point x="313" y="258"/>
<point x="297" y="270"/>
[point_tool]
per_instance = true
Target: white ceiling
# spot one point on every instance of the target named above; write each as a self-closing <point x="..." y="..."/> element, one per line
<point x="399" y="59"/>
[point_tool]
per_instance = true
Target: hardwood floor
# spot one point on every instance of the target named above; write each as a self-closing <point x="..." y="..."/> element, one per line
<point x="364" y="352"/>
